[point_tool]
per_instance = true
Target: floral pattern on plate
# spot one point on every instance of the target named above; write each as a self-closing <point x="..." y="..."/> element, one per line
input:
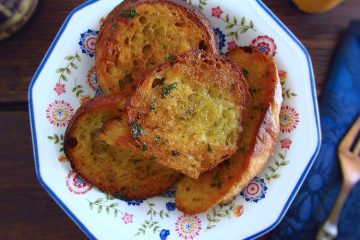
<point x="289" y="119"/>
<point x="188" y="227"/>
<point x="59" y="113"/>
<point x="88" y="41"/>
<point x="91" y="79"/>
<point x="73" y="81"/>
<point x="77" y="184"/>
<point x="265" y="44"/>
<point x="255" y="190"/>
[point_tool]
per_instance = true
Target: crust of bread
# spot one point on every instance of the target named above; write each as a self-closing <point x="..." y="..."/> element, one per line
<point x="261" y="129"/>
<point x="128" y="47"/>
<point x="191" y="111"/>
<point x="120" y="171"/>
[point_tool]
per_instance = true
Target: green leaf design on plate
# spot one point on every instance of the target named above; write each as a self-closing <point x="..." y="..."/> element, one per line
<point x="65" y="72"/>
<point x="200" y="5"/>
<point x="274" y="168"/>
<point x="78" y="90"/>
<point x="105" y="203"/>
<point x="69" y="58"/>
<point x="237" y="27"/>
<point x="220" y="211"/>
<point x="58" y="140"/>
<point x="150" y="223"/>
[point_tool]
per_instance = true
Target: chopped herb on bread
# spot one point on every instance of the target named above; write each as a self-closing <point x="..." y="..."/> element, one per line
<point x="139" y="35"/>
<point x="189" y="113"/>
<point x="261" y="128"/>
<point x="121" y="171"/>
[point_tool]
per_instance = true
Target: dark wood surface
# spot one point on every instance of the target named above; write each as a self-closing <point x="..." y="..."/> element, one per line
<point x="26" y="211"/>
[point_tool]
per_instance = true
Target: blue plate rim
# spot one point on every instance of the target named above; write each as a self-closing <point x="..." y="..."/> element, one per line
<point x="77" y="220"/>
<point x="32" y="122"/>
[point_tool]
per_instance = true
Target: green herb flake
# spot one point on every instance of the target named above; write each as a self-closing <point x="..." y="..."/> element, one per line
<point x="157" y="138"/>
<point x="114" y="26"/>
<point x="145" y="147"/>
<point x="130" y="13"/>
<point x="136" y="130"/>
<point x="152" y="106"/>
<point x="171" y="59"/>
<point x="245" y="72"/>
<point x="167" y="90"/>
<point x="216" y="181"/>
<point x="209" y="148"/>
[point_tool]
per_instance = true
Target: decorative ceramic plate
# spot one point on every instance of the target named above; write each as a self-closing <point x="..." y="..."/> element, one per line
<point x="66" y="78"/>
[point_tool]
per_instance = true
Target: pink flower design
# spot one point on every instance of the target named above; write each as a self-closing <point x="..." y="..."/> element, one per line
<point x="77" y="184"/>
<point x="188" y="227"/>
<point x="285" y="143"/>
<point x="127" y="218"/>
<point x="232" y="45"/>
<point x="59" y="113"/>
<point x="216" y="12"/>
<point x="289" y="119"/>
<point x="265" y="44"/>
<point x="59" y="88"/>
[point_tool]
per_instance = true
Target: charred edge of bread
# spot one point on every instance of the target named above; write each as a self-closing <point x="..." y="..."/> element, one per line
<point x="194" y="62"/>
<point x="267" y="136"/>
<point x="195" y="13"/>
<point x="149" y="178"/>
<point x="108" y="34"/>
<point x="198" y="15"/>
<point x="221" y="184"/>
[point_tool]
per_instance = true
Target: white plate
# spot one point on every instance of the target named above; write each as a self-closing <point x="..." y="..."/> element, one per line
<point x="66" y="77"/>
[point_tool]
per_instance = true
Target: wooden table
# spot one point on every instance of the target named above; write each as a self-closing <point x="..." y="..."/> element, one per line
<point x="26" y="210"/>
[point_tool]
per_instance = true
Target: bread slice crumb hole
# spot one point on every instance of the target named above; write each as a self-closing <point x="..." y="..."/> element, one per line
<point x="142" y="20"/>
<point x="146" y="50"/>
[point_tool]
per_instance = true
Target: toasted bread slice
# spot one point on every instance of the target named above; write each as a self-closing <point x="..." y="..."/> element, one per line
<point x="138" y="35"/>
<point x="261" y="129"/>
<point x="120" y="171"/>
<point x="188" y="113"/>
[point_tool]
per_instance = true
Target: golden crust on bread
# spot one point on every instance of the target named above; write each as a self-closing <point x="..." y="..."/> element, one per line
<point x="120" y="171"/>
<point x="188" y="113"/>
<point x="139" y="35"/>
<point x="261" y="129"/>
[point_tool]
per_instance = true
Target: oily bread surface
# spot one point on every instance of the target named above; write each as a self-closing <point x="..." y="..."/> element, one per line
<point x="139" y="35"/>
<point x="190" y="112"/>
<point x="121" y="171"/>
<point x="261" y="128"/>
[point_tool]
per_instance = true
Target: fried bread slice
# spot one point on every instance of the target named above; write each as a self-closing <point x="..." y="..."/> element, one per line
<point x="138" y="35"/>
<point x="188" y="114"/>
<point x="120" y="171"/>
<point x="261" y="129"/>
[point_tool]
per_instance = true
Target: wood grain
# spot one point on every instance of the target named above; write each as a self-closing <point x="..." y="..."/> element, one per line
<point x="320" y="33"/>
<point x="26" y="210"/>
<point x="22" y="53"/>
